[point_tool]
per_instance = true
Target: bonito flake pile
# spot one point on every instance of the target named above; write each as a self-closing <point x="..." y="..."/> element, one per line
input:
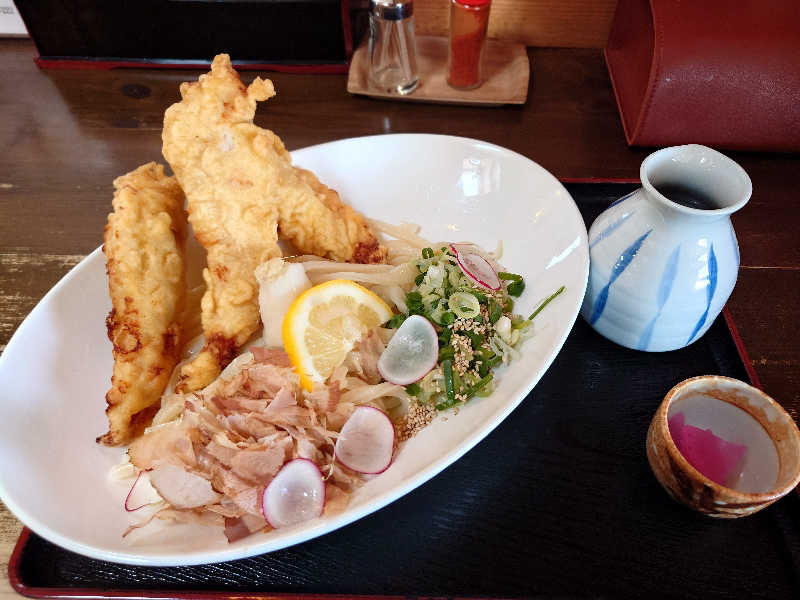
<point x="212" y="463"/>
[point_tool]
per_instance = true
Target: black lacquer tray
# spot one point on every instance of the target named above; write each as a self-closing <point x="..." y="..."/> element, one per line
<point x="558" y="501"/>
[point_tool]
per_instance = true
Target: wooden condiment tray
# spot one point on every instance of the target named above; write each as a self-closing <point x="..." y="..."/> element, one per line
<point x="506" y="72"/>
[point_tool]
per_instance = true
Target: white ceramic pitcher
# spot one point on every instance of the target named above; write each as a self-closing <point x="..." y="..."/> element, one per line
<point x="664" y="259"/>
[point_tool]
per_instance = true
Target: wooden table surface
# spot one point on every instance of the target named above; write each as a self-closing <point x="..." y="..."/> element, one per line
<point x="65" y="135"/>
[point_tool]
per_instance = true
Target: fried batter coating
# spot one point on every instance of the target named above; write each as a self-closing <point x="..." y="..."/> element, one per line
<point x="242" y="190"/>
<point x="144" y="247"/>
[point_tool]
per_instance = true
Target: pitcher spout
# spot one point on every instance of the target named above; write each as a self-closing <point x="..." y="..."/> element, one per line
<point x="695" y="180"/>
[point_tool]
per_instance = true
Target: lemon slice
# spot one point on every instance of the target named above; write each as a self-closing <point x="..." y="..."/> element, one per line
<point x="323" y="324"/>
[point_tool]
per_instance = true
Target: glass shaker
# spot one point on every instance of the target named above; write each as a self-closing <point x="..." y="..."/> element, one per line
<point x="392" y="46"/>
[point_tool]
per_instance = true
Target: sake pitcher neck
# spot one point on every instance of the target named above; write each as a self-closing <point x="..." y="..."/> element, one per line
<point x="694" y="182"/>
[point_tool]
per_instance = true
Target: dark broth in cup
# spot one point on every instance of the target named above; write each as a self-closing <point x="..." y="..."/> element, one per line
<point x="687" y="196"/>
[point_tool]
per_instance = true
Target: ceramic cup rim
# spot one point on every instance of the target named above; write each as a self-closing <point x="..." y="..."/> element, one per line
<point x="675" y="454"/>
<point x="644" y="171"/>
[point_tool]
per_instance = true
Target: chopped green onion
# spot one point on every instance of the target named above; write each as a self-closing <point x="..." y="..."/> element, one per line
<point x="454" y="277"/>
<point x="414" y="303"/>
<point x="446" y="353"/>
<point x="425" y="289"/>
<point x="458" y="383"/>
<point x="446" y="404"/>
<point x="446" y="287"/>
<point x="515" y="288"/>
<point x="485" y="392"/>
<point x="396" y="321"/>
<point x="447" y="318"/>
<point x="435" y="314"/>
<point x="484" y="354"/>
<point x="517" y="285"/>
<point x="495" y="311"/>
<point x="413" y="389"/>
<point x="483" y="368"/>
<point x="482" y="299"/>
<point x="447" y="372"/>
<point x="465" y="306"/>
<point x="509" y="276"/>
<point x="546" y="301"/>
<point x="442" y="294"/>
<point x="475" y="339"/>
<point x="479" y="386"/>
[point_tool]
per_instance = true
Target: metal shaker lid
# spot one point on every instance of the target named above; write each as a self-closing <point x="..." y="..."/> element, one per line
<point x="391" y="10"/>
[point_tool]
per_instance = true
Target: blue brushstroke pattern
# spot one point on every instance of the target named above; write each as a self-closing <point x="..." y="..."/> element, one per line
<point x="610" y="229"/>
<point x="735" y="247"/>
<point x="624" y="260"/>
<point x="625" y="197"/>
<point x="712" y="286"/>
<point x="664" y="290"/>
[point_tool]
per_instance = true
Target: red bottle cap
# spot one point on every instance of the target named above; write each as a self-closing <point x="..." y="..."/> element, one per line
<point x="473" y="3"/>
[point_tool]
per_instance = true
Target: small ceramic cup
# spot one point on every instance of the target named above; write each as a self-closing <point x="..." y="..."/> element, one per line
<point x="780" y="469"/>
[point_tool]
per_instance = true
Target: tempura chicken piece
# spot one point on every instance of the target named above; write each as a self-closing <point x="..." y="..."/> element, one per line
<point x="144" y="247"/>
<point x="242" y="190"/>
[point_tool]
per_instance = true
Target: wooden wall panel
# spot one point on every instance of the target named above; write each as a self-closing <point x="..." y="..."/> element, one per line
<point x="560" y="23"/>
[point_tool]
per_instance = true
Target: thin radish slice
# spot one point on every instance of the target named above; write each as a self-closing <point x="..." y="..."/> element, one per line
<point x="463" y="247"/>
<point x="132" y="502"/>
<point x="181" y="488"/>
<point x="411" y="353"/>
<point x="477" y="268"/>
<point x="295" y="494"/>
<point x="366" y="441"/>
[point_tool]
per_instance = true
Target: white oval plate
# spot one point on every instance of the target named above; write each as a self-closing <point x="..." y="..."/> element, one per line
<point x="56" y="369"/>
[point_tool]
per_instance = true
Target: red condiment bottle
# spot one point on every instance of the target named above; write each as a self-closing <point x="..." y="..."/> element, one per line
<point x="468" y="22"/>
